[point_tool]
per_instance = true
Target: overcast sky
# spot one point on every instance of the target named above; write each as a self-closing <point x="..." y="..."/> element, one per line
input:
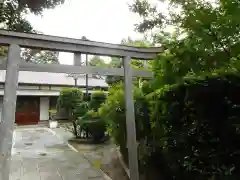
<point x="98" y="20"/>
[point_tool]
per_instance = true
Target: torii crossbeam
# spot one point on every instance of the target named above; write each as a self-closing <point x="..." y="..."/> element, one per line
<point x="13" y="65"/>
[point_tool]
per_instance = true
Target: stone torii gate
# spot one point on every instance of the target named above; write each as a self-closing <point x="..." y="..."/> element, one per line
<point x="15" y="40"/>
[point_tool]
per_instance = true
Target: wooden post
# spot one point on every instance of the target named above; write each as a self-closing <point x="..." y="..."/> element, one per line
<point x="77" y="59"/>
<point x="86" y="77"/>
<point x="130" y="120"/>
<point x="9" y="108"/>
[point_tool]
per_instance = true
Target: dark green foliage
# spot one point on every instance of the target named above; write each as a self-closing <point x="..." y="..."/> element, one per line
<point x="147" y="87"/>
<point x="12" y="12"/>
<point x="97" y="98"/>
<point x="115" y="63"/>
<point x="81" y="109"/>
<point x="195" y="125"/>
<point x="38" y="6"/>
<point x="151" y="17"/>
<point x="111" y="80"/>
<point x="95" y="124"/>
<point x="88" y="117"/>
<point x="113" y="110"/>
<point x="69" y="99"/>
<point x="193" y="132"/>
<point x="12" y="17"/>
<point x="204" y="36"/>
<point x="92" y="123"/>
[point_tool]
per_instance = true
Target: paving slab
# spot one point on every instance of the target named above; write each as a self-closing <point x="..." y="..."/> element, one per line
<point x="40" y="155"/>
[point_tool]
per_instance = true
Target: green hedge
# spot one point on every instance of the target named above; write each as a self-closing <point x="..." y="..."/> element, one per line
<point x="196" y="128"/>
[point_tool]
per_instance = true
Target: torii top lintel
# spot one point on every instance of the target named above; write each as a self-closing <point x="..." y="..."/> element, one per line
<point x="56" y="43"/>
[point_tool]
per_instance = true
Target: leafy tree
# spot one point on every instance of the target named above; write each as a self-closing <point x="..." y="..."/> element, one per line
<point x="97" y="61"/>
<point x="138" y="64"/>
<point x="137" y="43"/>
<point x="205" y="37"/>
<point x="3" y="51"/>
<point x="114" y="63"/>
<point x="12" y="18"/>
<point x="12" y="12"/>
<point x="39" y="57"/>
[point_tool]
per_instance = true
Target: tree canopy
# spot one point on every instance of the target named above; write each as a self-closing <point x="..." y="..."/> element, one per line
<point x="205" y="35"/>
<point x="188" y="102"/>
<point x="12" y="12"/>
<point x="97" y="61"/>
<point x="114" y="63"/>
<point x="12" y="17"/>
<point x="39" y="57"/>
<point x="117" y="62"/>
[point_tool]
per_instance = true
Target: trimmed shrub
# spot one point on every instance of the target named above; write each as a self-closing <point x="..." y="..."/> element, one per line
<point x="92" y="123"/>
<point x="89" y="120"/>
<point x="69" y="99"/>
<point x="195" y="128"/>
<point x="113" y="110"/>
<point x="81" y="109"/>
<point x="97" y="98"/>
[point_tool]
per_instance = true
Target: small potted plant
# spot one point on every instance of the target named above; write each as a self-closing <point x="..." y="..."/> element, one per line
<point x="52" y="121"/>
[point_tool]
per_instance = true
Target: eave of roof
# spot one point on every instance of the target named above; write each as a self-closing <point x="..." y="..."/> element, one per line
<point x="62" y="79"/>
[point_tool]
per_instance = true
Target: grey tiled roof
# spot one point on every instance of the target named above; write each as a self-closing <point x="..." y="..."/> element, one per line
<point x="28" y="77"/>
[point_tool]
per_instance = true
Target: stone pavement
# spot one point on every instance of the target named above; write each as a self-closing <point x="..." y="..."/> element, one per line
<point x="40" y="155"/>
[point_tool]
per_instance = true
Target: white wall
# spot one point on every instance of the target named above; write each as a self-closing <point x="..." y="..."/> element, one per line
<point x="44" y="108"/>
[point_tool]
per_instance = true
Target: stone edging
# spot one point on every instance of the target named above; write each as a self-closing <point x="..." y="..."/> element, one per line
<point x="74" y="149"/>
<point x="123" y="163"/>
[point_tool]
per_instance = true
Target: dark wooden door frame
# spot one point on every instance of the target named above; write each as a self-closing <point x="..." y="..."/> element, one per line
<point x="27" y="110"/>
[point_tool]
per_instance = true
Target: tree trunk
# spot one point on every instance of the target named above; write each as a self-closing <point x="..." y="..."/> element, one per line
<point x="74" y="128"/>
<point x="72" y="119"/>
